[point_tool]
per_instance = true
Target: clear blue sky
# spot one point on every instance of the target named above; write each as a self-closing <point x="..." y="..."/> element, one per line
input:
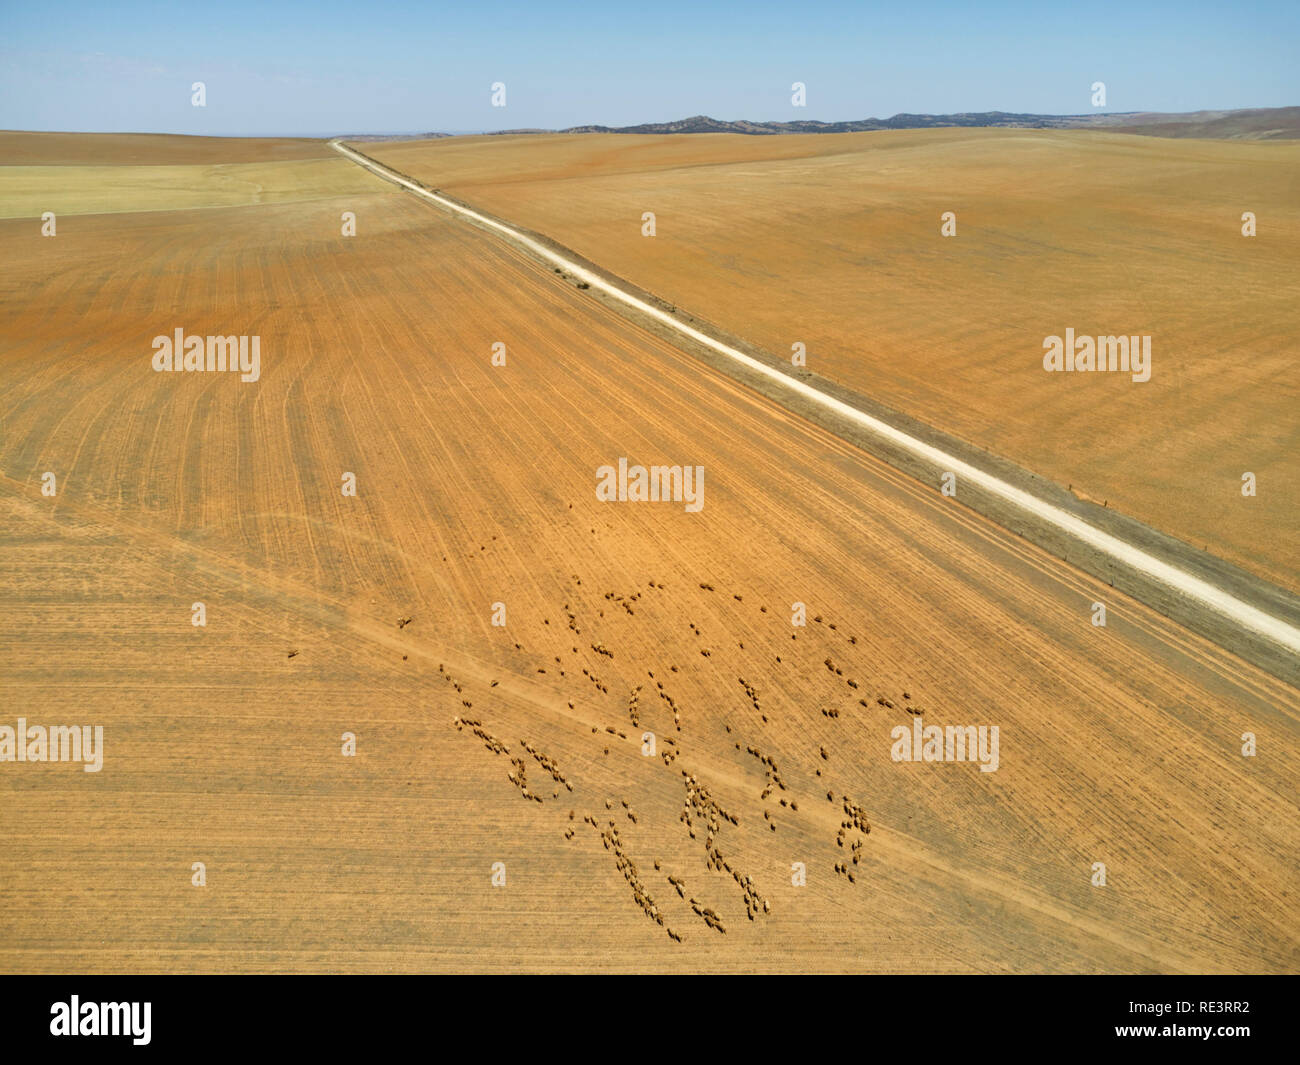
<point x="388" y="66"/>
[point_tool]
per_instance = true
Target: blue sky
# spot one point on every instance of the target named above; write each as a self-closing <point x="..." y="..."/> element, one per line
<point x="325" y="67"/>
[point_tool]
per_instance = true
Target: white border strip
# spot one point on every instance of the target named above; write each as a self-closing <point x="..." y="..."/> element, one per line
<point x="1215" y="598"/>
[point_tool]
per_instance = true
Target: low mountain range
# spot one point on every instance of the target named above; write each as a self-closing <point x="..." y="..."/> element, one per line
<point x="1251" y="123"/>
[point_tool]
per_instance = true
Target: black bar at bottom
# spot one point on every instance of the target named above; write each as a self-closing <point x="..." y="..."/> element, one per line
<point x="1222" y="1016"/>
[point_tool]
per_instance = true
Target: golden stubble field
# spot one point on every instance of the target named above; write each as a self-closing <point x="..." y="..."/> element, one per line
<point x="834" y="241"/>
<point x="522" y="744"/>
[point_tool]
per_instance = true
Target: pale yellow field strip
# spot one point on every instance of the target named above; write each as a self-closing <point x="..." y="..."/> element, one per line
<point x="29" y="191"/>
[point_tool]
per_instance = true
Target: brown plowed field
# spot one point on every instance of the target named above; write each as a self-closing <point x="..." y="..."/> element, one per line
<point x="18" y="148"/>
<point x="833" y="241"/>
<point x="476" y="486"/>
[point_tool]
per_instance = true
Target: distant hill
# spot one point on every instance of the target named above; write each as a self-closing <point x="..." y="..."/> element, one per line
<point x="705" y="124"/>
<point x="358" y="138"/>
<point x="1255" y="124"/>
<point x="1264" y="123"/>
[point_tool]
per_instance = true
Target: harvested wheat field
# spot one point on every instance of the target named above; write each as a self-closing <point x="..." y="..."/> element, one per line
<point x="97" y="173"/>
<point x="648" y="765"/>
<point x="834" y="241"/>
